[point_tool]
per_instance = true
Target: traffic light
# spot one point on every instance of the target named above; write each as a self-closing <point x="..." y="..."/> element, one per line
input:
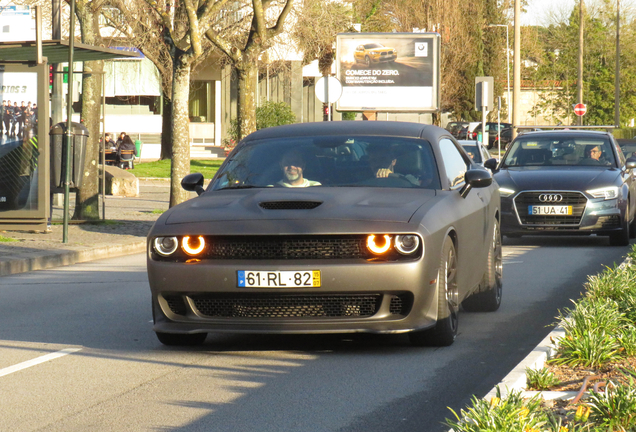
<point x="325" y="112"/>
<point x="51" y="77"/>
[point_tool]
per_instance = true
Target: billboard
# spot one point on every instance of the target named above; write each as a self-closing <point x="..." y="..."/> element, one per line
<point x="24" y="173"/>
<point x="388" y="71"/>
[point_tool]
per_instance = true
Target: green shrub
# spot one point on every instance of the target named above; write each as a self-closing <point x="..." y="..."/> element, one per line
<point x="267" y="115"/>
<point x="514" y="413"/>
<point x="592" y="333"/>
<point x="541" y="379"/>
<point x="615" y="408"/>
<point x="274" y="114"/>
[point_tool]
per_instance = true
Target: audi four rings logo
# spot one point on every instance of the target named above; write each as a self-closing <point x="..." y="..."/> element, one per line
<point x="551" y="198"/>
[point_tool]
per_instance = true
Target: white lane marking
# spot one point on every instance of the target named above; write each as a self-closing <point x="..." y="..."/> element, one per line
<point x="37" y="361"/>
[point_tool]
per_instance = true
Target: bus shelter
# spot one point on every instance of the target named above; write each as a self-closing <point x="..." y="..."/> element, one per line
<point x="25" y="170"/>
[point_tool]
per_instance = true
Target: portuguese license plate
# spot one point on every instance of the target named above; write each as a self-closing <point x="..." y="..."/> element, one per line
<point x="544" y="210"/>
<point x="278" y="279"/>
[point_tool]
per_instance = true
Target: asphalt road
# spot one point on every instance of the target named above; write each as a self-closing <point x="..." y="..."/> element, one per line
<point x="77" y="353"/>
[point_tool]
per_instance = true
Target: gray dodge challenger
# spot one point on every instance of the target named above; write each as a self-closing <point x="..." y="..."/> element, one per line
<point x="334" y="227"/>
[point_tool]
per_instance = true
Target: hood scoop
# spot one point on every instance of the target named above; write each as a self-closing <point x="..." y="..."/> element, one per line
<point x="289" y="205"/>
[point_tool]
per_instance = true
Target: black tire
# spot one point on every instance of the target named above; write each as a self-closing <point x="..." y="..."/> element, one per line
<point x="445" y="331"/>
<point x="490" y="299"/>
<point x="174" y="339"/>
<point x="621" y="238"/>
<point x="632" y="227"/>
<point x="367" y="61"/>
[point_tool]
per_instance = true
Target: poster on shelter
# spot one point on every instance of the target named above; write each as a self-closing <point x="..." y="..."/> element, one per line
<point x="18" y="141"/>
<point x="388" y="71"/>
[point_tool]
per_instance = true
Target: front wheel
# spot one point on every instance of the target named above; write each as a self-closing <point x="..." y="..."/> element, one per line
<point x="490" y="299"/>
<point x="445" y="330"/>
<point x="174" y="339"/>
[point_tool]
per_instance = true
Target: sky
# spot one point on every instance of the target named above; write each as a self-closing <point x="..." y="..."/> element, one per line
<point x="538" y="11"/>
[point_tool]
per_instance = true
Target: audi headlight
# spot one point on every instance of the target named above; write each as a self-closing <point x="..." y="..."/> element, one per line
<point x="605" y="193"/>
<point x="407" y="244"/>
<point x="165" y="246"/>
<point x="505" y="193"/>
<point x="193" y="245"/>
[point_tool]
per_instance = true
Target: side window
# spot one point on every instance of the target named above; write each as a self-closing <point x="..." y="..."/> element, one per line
<point x="619" y="152"/>
<point x="454" y="164"/>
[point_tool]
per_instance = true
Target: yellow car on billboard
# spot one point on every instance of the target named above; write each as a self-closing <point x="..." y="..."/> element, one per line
<point x="374" y="53"/>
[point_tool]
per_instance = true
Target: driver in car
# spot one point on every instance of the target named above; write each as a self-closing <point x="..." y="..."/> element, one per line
<point x="593" y="155"/>
<point x="293" y="166"/>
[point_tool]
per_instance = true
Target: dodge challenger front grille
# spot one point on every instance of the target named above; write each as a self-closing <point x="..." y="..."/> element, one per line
<point x="576" y="200"/>
<point x="287" y="306"/>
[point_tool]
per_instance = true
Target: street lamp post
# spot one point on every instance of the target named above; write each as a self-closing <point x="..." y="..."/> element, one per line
<point x="507" y="68"/>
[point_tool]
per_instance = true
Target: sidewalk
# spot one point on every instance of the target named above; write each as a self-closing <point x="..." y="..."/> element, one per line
<point x="128" y="221"/>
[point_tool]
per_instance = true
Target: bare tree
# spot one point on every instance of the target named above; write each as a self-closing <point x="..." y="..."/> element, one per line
<point x="243" y="34"/>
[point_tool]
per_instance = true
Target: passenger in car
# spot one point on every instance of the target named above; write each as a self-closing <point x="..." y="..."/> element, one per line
<point x="382" y="161"/>
<point x="293" y="166"/>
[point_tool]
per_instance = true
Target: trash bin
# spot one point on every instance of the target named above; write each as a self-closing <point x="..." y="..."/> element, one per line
<point x="138" y="147"/>
<point x="58" y="154"/>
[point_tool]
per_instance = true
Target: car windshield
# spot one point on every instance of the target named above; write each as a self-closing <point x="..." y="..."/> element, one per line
<point x="629" y="150"/>
<point x="330" y="161"/>
<point x="373" y="45"/>
<point x="555" y="150"/>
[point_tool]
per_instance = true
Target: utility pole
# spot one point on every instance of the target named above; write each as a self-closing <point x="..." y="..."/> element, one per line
<point x="56" y="93"/>
<point x="516" y="72"/>
<point x="579" y="84"/>
<point x="617" y="78"/>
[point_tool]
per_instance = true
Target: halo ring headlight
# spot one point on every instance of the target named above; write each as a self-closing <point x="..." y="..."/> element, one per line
<point x="407" y="244"/>
<point x="377" y="247"/>
<point x="165" y="246"/>
<point x="190" y="246"/>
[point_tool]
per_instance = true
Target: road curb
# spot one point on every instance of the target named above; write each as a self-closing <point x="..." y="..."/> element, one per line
<point x="46" y="259"/>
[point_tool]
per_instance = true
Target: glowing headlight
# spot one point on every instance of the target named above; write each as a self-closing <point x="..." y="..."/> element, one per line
<point x="378" y="246"/>
<point x="505" y="192"/>
<point x="193" y="245"/>
<point x="606" y="193"/>
<point x="407" y="244"/>
<point x="165" y="246"/>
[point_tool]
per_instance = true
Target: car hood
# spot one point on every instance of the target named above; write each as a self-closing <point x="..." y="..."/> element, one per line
<point x="352" y="204"/>
<point x="556" y="178"/>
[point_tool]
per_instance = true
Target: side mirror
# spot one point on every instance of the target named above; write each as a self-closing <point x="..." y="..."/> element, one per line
<point x="476" y="178"/>
<point x="193" y="183"/>
<point x="631" y="163"/>
<point x="491" y="164"/>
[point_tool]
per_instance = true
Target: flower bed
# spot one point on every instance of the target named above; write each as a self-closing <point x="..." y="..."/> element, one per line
<point x="597" y="352"/>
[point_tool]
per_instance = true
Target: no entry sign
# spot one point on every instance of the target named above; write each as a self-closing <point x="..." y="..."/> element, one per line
<point x="580" y="109"/>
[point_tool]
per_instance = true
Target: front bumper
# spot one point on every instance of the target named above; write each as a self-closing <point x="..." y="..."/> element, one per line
<point x="594" y="216"/>
<point x="354" y="296"/>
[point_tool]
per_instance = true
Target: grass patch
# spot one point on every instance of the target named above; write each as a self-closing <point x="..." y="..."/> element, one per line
<point x="157" y="211"/>
<point x="7" y="239"/>
<point x="161" y="169"/>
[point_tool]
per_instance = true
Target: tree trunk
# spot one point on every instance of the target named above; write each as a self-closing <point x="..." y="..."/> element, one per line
<point x="166" y="129"/>
<point x="180" y="166"/>
<point x="247" y="74"/>
<point x="87" y="198"/>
